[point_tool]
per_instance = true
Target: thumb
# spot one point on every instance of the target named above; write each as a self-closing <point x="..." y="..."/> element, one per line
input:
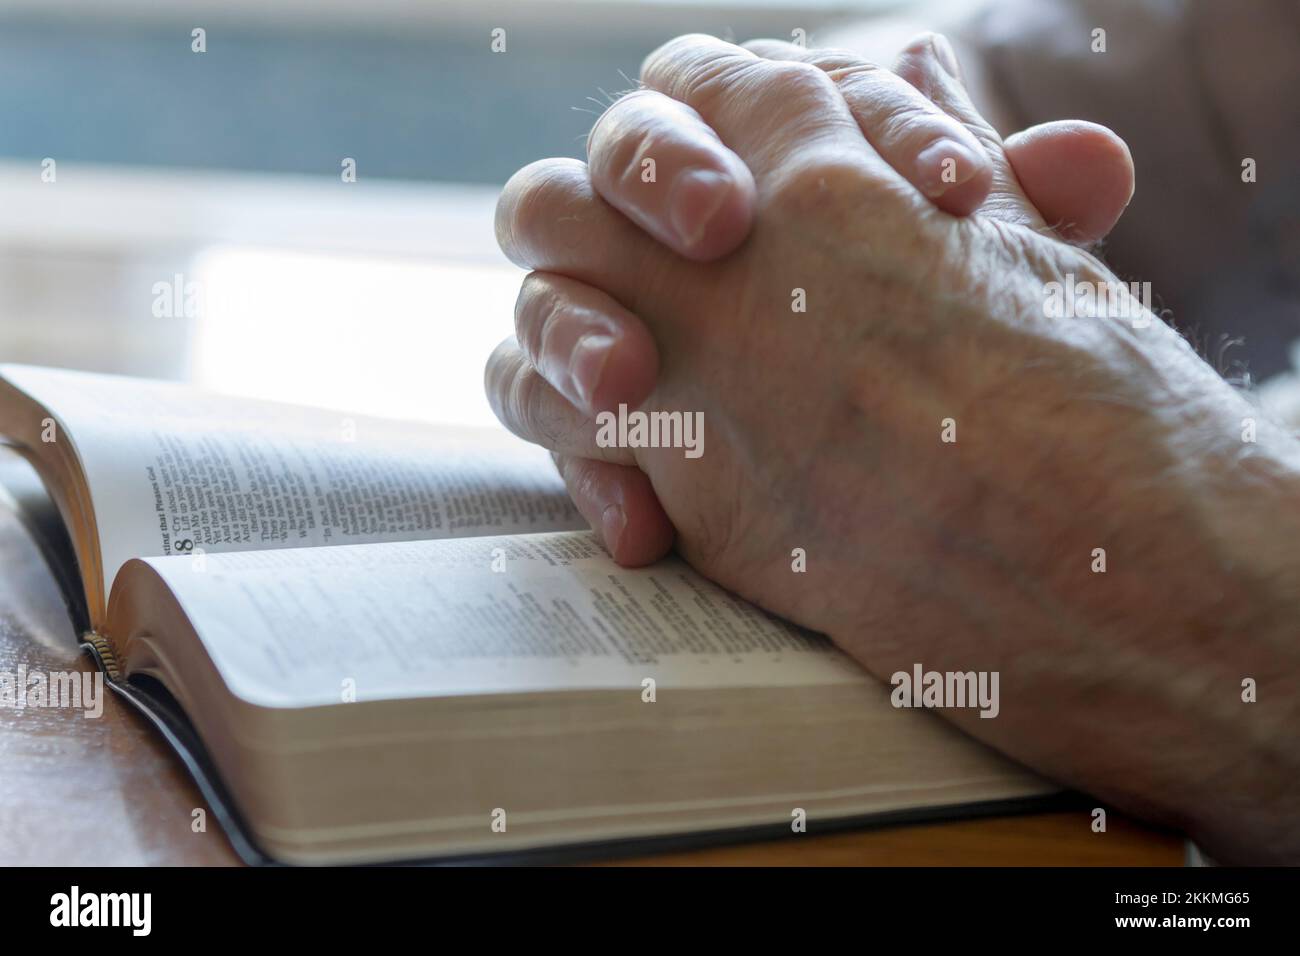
<point x="1078" y="174"/>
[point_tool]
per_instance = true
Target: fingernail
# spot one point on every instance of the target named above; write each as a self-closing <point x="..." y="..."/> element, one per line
<point x="697" y="196"/>
<point x="946" y="55"/>
<point x="587" y="365"/>
<point x="944" y="165"/>
<point x="613" y="520"/>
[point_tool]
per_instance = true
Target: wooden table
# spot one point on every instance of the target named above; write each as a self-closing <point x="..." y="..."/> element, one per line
<point x="107" y="791"/>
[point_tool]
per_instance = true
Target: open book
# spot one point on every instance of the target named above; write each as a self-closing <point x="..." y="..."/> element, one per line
<point x="377" y="640"/>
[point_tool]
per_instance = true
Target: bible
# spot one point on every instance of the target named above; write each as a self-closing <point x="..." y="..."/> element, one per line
<point x="377" y="641"/>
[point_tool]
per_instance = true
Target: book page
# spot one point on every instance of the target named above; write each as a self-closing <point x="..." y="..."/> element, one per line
<point x="177" y="470"/>
<point x="478" y="616"/>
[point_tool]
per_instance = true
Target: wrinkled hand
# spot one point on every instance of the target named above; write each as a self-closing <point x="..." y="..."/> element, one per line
<point x="655" y="160"/>
<point x="947" y="457"/>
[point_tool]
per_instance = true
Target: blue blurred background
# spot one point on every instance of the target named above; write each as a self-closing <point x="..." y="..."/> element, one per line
<point x="410" y="90"/>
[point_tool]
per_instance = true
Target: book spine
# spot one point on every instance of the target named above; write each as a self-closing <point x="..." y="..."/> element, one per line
<point x="99" y="647"/>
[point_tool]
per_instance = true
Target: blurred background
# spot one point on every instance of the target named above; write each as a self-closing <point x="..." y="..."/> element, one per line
<point x="293" y="198"/>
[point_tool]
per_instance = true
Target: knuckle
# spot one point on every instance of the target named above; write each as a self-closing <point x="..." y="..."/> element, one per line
<point x="621" y="156"/>
<point x="913" y="123"/>
<point x="532" y="408"/>
<point x="821" y="174"/>
<point x="538" y="302"/>
<point x="835" y="191"/>
<point x="498" y="377"/>
<point x="582" y="479"/>
<point x="711" y="80"/>
<point x="612" y="125"/>
<point x="672" y="61"/>
<point x="799" y="80"/>
<point x="521" y="401"/>
<point x="713" y="83"/>
<point x="650" y="127"/>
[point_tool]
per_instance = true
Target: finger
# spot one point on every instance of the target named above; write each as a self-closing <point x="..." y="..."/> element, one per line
<point x="929" y="63"/>
<point x="550" y="219"/>
<point x="1075" y="176"/>
<point x="765" y="110"/>
<point x="531" y="407"/>
<point x="929" y="148"/>
<point x="656" y="161"/>
<point x="596" y="353"/>
<point x="621" y="505"/>
<point x="1078" y="174"/>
